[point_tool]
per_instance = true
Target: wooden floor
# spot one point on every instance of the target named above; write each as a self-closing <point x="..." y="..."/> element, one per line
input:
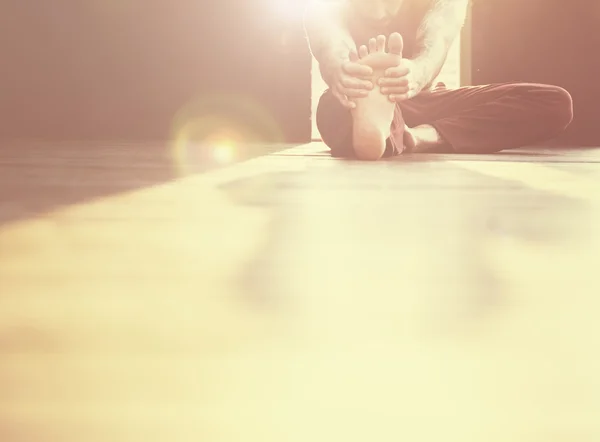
<point x="294" y="297"/>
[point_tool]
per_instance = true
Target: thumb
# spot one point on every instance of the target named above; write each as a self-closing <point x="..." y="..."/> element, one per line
<point x="343" y="100"/>
<point x="353" y="56"/>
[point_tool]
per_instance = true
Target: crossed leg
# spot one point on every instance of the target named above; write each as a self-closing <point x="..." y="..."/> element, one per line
<point x="486" y="119"/>
<point x="472" y="119"/>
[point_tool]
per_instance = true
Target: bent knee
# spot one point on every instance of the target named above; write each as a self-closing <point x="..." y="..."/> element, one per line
<point x="560" y="108"/>
<point x="334" y="123"/>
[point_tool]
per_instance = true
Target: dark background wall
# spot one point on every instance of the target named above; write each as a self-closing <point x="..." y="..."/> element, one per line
<point x="122" y="69"/>
<point x="544" y="41"/>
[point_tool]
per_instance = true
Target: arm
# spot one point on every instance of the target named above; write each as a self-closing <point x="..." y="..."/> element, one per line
<point x="328" y="36"/>
<point x="334" y="49"/>
<point x="440" y="27"/>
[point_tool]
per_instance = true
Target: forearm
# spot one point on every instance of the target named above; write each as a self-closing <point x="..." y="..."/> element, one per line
<point x="439" y="30"/>
<point x="328" y="36"/>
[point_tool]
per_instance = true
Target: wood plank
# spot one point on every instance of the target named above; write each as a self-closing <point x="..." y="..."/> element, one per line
<point x="296" y="297"/>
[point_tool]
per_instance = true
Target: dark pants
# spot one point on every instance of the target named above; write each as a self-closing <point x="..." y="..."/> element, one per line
<point x="472" y="119"/>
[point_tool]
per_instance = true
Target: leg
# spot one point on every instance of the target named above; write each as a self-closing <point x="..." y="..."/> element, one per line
<point x="487" y="119"/>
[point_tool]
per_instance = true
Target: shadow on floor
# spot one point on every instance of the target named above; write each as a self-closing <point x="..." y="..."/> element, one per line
<point x="479" y="220"/>
<point x="37" y="177"/>
<point x="260" y="282"/>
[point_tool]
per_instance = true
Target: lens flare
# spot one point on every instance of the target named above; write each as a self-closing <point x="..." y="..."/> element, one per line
<point x="224" y="152"/>
<point x="219" y="128"/>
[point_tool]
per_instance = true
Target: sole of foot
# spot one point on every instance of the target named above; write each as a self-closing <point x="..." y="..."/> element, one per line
<point x="373" y="115"/>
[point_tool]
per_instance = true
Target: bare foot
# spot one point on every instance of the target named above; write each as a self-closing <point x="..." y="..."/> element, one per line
<point x="410" y="141"/>
<point x="421" y="139"/>
<point x="374" y="114"/>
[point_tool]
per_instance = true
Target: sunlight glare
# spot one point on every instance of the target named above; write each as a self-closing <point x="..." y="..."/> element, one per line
<point x="224" y="152"/>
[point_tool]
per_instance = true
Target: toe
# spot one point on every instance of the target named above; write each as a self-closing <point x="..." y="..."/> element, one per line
<point x="372" y="45"/>
<point x="363" y="51"/>
<point x="395" y="44"/>
<point x="381" y="43"/>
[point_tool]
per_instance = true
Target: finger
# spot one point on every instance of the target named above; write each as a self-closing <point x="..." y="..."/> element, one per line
<point x="381" y="43"/>
<point x="353" y="93"/>
<point x="372" y="45"/>
<point x="398" y="98"/>
<point x="393" y="82"/>
<point x="348" y="104"/>
<point x="344" y="100"/>
<point x="357" y="70"/>
<point x="353" y="56"/>
<point x="350" y="92"/>
<point x="398" y="71"/>
<point x="363" y="51"/>
<point x="356" y="83"/>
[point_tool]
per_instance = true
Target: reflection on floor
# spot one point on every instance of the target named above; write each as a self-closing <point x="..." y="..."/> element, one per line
<point x="294" y="297"/>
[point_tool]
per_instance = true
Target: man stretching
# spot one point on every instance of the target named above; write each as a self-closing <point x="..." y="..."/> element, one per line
<point x="380" y="59"/>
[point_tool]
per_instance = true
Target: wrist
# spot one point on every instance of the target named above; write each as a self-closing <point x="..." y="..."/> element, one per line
<point x="422" y="75"/>
<point x="332" y="61"/>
